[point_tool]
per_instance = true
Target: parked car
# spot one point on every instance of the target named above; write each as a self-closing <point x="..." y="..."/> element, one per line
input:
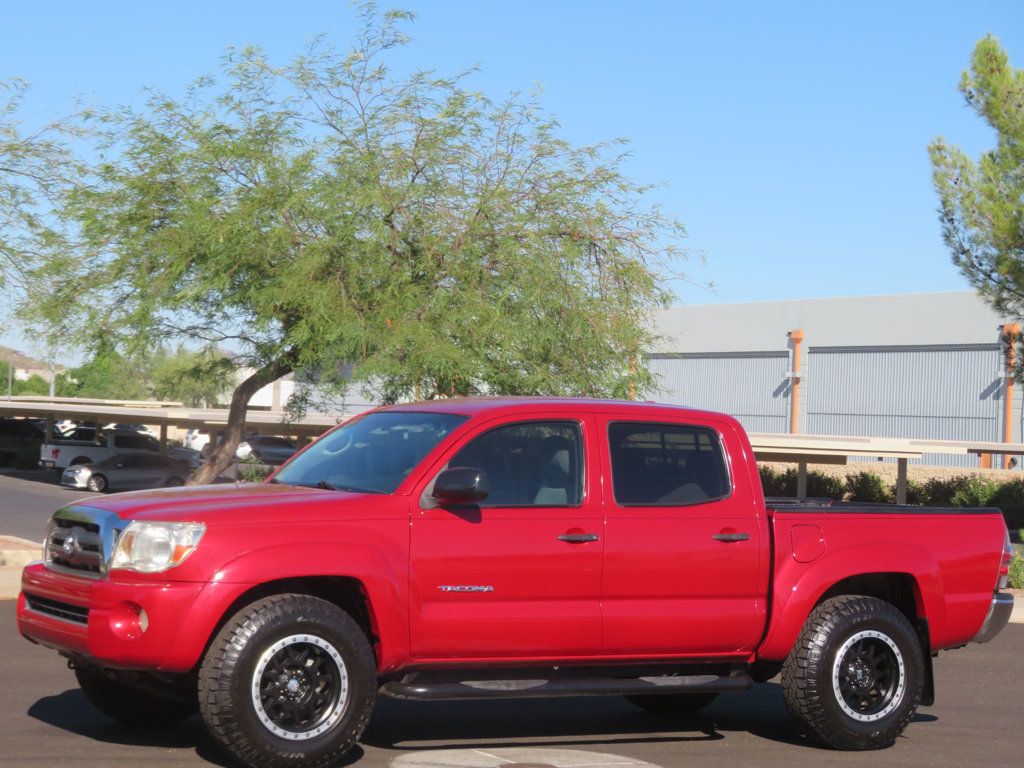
<point x="266" y="449"/>
<point x="142" y="428"/>
<point x="508" y="548"/>
<point x="196" y="439"/>
<point x="83" y="445"/>
<point x="19" y="437"/>
<point x="128" y="472"/>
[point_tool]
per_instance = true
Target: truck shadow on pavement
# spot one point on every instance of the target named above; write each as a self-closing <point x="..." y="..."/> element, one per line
<point x="71" y="712"/>
<point x="410" y="726"/>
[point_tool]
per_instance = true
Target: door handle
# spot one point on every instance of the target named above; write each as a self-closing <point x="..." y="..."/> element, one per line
<point x="731" y="536"/>
<point x="578" y="538"/>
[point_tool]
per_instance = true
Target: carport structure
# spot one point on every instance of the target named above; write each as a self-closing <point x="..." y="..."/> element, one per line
<point x="831" y="449"/>
<point x="163" y="415"/>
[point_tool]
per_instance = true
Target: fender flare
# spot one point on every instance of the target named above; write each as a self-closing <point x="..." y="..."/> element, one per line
<point x="368" y="566"/>
<point x="799" y="587"/>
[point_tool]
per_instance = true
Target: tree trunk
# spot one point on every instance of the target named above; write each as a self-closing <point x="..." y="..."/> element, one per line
<point x="223" y="455"/>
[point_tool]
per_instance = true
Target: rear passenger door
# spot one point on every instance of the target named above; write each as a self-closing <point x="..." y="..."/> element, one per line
<point x="518" y="576"/>
<point x="683" y="569"/>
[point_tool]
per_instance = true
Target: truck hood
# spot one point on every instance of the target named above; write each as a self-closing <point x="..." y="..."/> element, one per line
<point x="240" y="504"/>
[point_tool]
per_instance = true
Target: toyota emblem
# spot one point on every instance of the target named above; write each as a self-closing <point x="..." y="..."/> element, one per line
<point x="71" y="545"/>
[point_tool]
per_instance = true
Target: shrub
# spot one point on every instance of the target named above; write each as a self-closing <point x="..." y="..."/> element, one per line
<point x="823" y="485"/>
<point x="917" y="493"/>
<point x="253" y="470"/>
<point x="1017" y="572"/>
<point x="976" y="492"/>
<point x="1009" y="497"/>
<point x="940" y="491"/>
<point x="778" y="483"/>
<point x="867" y="487"/>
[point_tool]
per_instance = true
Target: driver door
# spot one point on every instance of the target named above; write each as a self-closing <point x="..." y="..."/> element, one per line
<point x="518" y="575"/>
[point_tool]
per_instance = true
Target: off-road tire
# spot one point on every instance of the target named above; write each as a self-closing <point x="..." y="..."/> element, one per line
<point x="673" y="703"/>
<point x="96" y="483"/>
<point x="130" y="705"/>
<point x="812" y="689"/>
<point x="229" y="673"/>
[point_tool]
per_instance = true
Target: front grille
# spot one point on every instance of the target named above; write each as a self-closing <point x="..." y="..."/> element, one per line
<point x="79" y="539"/>
<point x="73" y="613"/>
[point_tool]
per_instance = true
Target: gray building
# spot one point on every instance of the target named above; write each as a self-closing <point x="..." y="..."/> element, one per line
<point x="927" y="366"/>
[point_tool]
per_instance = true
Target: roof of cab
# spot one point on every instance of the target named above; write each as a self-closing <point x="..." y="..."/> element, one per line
<point x="474" y="406"/>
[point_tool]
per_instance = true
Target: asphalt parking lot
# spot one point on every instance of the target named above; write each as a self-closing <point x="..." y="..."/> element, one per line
<point x="45" y="721"/>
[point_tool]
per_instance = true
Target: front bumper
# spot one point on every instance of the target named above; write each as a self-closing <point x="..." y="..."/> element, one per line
<point x="96" y="619"/>
<point x="998" y="615"/>
<point x="74" y="479"/>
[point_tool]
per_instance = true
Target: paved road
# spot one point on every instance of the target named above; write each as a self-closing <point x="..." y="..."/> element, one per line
<point x="27" y="499"/>
<point x="44" y="721"/>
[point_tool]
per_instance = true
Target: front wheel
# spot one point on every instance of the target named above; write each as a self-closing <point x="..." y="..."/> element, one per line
<point x="290" y="681"/>
<point x="856" y="673"/>
<point x="96" y="483"/>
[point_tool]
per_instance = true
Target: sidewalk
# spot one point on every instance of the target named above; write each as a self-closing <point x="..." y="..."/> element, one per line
<point x="15" y="553"/>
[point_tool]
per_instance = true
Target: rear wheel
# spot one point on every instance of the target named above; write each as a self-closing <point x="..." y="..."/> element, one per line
<point x="290" y="681"/>
<point x="673" y="703"/>
<point x="128" y="704"/>
<point x="856" y="674"/>
<point x="96" y="483"/>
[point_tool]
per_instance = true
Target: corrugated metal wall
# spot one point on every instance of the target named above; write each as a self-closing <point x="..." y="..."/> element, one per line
<point x="940" y="392"/>
<point x="750" y="386"/>
<point x="936" y="392"/>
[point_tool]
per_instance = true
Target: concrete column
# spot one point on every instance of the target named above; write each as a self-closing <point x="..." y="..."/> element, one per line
<point x="801" y="480"/>
<point x="901" y="481"/>
<point x="163" y="438"/>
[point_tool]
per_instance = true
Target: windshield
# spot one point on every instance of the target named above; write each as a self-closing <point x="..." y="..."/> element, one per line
<point x="370" y="455"/>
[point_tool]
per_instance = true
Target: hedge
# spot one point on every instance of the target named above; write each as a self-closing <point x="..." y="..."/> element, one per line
<point x="868" y="487"/>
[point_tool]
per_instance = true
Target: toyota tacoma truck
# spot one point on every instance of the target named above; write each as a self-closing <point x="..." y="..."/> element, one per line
<point x="488" y="548"/>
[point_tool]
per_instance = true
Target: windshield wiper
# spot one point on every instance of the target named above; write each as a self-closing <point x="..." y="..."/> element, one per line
<point x="346" y="488"/>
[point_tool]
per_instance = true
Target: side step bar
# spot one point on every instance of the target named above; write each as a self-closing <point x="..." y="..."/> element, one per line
<point x="530" y="689"/>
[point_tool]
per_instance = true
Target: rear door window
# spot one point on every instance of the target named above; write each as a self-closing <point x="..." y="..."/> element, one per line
<point x="666" y="465"/>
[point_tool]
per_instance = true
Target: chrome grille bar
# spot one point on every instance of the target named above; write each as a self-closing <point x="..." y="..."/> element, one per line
<point x="80" y="540"/>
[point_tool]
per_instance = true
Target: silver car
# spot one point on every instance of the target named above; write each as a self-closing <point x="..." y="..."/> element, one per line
<point x="127" y="472"/>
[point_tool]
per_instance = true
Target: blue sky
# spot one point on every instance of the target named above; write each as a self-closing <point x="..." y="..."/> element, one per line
<point x="791" y="137"/>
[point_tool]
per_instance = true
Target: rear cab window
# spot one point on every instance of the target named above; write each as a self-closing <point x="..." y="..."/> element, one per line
<point x="666" y="465"/>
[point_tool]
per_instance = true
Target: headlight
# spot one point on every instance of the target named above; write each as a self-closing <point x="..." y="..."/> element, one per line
<point x="154" y="547"/>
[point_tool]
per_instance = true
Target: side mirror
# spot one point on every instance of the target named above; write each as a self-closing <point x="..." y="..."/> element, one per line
<point x="461" y="485"/>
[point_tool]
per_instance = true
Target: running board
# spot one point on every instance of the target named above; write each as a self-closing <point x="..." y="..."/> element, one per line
<point x="529" y="689"/>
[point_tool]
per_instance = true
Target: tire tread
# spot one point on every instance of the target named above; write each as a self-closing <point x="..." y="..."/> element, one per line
<point x="222" y="658"/>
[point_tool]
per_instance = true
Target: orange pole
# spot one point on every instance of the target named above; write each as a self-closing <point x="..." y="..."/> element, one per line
<point x="1012" y="331"/>
<point x="796" y="337"/>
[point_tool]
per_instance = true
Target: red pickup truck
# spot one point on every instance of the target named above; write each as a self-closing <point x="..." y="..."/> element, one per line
<point x="489" y="548"/>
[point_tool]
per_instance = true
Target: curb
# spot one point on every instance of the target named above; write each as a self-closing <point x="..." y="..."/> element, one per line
<point x="10" y="582"/>
<point x="18" y="552"/>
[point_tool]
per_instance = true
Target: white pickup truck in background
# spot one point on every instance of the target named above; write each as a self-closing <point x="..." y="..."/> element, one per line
<point x="61" y="454"/>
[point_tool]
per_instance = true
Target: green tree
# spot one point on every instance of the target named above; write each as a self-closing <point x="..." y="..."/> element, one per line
<point x="329" y="216"/>
<point x="107" y="375"/>
<point x="35" y="169"/>
<point x="33" y="385"/>
<point x="982" y="204"/>
<point x="198" y="379"/>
